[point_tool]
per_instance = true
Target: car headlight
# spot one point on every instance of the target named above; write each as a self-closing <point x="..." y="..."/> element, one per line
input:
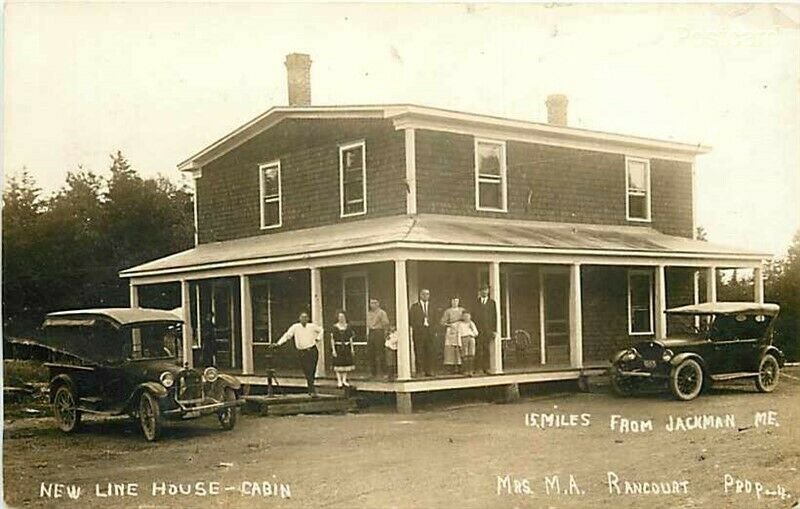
<point x="210" y="374"/>
<point x="167" y="379"/>
<point x="630" y="355"/>
<point x="667" y="355"/>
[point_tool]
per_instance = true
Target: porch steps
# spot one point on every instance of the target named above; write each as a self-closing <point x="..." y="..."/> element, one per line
<point x="294" y="404"/>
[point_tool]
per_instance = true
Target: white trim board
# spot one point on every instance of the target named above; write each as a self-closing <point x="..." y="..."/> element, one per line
<point x="410" y="116"/>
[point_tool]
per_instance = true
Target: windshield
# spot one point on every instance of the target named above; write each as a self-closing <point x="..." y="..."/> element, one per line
<point x="741" y="326"/>
<point x="152" y="341"/>
<point x="689" y="325"/>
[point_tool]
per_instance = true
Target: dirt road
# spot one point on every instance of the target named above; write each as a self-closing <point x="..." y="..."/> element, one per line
<point x="471" y="456"/>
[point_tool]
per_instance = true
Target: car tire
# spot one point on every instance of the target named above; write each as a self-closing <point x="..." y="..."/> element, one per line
<point x="229" y="416"/>
<point x="686" y="380"/>
<point x="149" y="416"/>
<point x="622" y="385"/>
<point x="769" y="373"/>
<point x="65" y="410"/>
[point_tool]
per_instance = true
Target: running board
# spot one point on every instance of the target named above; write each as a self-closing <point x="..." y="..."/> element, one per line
<point x="733" y="376"/>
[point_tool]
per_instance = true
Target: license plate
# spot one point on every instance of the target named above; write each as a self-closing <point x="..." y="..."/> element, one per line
<point x="191" y="415"/>
<point x="649" y="364"/>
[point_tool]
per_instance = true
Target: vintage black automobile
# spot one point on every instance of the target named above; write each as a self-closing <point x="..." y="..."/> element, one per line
<point x="724" y="341"/>
<point x="127" y="361"/>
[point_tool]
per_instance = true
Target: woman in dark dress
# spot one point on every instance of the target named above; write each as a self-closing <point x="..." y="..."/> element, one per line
<point x="342" y="349"/>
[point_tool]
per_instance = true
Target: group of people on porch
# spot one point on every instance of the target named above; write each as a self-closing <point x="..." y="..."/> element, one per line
<point x="467" y="339"/>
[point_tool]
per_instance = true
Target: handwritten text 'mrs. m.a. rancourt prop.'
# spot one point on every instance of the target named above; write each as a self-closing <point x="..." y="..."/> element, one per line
<point x="618" y="423"/>
<point x="164" y="489"/>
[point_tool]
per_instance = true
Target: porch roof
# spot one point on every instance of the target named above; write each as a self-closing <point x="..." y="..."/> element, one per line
<point x="432" y="231"/>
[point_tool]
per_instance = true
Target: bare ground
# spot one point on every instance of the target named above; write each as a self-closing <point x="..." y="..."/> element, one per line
<point x="445" y="457"/>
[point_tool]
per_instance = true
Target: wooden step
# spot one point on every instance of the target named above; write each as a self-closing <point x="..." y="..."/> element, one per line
<point x="293" y="404"/>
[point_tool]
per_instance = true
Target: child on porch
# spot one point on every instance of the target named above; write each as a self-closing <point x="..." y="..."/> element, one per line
<point x="467" y="332"/>
<point x="391" y="353"/>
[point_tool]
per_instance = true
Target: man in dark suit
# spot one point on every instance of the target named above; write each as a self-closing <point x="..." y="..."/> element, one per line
<point x="419" y="319"/>
<point x="485" y="318"/>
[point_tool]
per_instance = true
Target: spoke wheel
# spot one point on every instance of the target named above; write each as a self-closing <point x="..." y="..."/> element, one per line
<point x="686" y="380"/>
<point x="769" y="372"/>
<point x="68" y="417"/>
<point x="622" y="385"/>
<point x="149" y="417"/>
<point x="229" y="416"/>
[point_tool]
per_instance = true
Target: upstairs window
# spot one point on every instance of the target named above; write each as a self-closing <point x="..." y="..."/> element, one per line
<point x="637" y="181"/>
<point x="270" y="185"/>
<point x="490" y="175"/>
<point x="640" y="302"/>
<point x="353" y="179"/>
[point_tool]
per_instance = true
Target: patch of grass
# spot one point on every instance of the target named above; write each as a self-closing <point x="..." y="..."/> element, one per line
<point x="17" y="373"/>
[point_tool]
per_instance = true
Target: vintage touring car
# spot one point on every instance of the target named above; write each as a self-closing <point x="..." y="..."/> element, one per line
<point x="724" y="341"/>
<point x="126" y="361"/>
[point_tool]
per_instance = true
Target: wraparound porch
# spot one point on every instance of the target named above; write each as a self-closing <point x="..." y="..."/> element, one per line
<point x="568" y="295"/>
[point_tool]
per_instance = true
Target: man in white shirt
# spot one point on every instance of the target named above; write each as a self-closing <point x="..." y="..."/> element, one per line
<point x="306" y="336"/>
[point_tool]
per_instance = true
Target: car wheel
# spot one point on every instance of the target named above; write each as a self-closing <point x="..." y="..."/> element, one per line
<point x="769" y="372"/>
<point x="67" y="415"/>
<point x="228" y="417"/>
<point x="149" y="416"/>
<point x="686" y="380"/>
<point x="622" y="385"/>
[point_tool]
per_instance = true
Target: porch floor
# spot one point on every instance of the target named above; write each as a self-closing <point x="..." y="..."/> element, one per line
<point x="440" y="381"/>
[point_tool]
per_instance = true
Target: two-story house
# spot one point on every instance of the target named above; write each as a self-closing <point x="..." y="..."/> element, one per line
<point x="585" y="237"/>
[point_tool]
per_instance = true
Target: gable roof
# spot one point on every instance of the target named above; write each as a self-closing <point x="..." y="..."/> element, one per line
<point x="430" y="231"/>
<point x="414" y="116"/>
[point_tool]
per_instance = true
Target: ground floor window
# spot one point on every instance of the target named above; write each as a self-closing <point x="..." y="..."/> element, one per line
<point x="262" y="313"/>
<point x="355" y="301"/>
<point x="640" y="301"/>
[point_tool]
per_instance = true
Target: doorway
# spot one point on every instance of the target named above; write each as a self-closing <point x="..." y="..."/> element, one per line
<point x="554" y="315"/>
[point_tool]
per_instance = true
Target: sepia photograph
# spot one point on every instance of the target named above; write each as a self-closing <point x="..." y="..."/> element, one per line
<point x="400" y="255"/>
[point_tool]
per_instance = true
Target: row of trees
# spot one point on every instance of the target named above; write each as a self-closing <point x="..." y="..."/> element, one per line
<point x="781" y="286"/>
<point x="65" y="250"/>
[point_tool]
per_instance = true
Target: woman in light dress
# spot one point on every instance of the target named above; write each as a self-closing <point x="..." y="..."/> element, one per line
<point x="452" y="343"/>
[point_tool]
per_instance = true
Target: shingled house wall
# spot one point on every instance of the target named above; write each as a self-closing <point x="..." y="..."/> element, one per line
<point x="547" y="183"/>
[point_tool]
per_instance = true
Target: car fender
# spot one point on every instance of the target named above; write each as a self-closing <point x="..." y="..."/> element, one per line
<point x="675" y="361"/>
<point x="154" y="388"/>
<point x="617" y="356"/>
<point x="230" y="381"/>
<point x="775" y="351"/>
<point x="62" y="379"/>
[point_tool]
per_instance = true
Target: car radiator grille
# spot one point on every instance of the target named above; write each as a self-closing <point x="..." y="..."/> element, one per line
<point x="190" y="387"/>
<point x="650" y="351"/>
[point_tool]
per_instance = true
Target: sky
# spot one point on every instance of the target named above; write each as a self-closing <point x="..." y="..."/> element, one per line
<point x="162" y="81"/>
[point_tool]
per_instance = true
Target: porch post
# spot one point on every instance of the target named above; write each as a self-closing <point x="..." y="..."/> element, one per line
<point x="496" y="350"/>
<point x="696" y="294"/>
<point x="247" y="324"/>
<point x="575" y="317"/>
<point x="661" y="302"/>
<point x="401" y="316"/>
<point x="758" y="282"/>
<point x="412" y="272"/>
<point x="316" y="314"/>
<point x="711" y="284"/>
<point x="134" y="294"/>
<point x="186" y="304"/>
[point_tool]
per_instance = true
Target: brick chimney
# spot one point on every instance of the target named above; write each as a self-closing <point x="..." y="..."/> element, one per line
<point x="557" y="109"/>
<point x="298" y="79"/>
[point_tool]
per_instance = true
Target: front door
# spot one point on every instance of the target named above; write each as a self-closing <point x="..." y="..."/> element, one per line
<point x="554" y="315"/>
<point x="222" y="308"/>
